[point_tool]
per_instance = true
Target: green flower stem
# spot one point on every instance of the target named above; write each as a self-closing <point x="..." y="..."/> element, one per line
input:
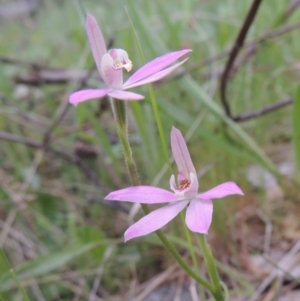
<point x="152" y="97"/>
<point x="119" y="110"/>
<point x="189" y="239"/>
<point x="177" y="257"/>
<point x="192" y="250"/>
<point x="211" y="268"/>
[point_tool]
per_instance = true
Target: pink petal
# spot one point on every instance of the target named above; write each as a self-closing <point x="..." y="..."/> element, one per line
<point x="156" y="65"/>
<point x="192" y="190"/>
<point x="181" y="154"/>
<point x="199" y="215"/>
<point x="155" y="77"/>
<point x="142" y="194"/>
<point x="96" y="40"/>
<point x="154" y="220"/>
<point x="221" y="191"/>
<point x="111" y="76"/>
<point x="173" y="184"/>
<point x="124" y="95"/>
<point x="83" y="95"/>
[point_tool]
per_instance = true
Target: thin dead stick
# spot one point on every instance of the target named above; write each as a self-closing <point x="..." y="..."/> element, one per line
<point x="63" y="109"/>
<point x="86" y="169"/>
<point x="42" y="74"/>
<point x="51" y="77"/>
<point x="19" y="139"/>
<point x="20" y="198"/>
<point x="7" y="60"/>
<point x="234" y="52"/>
<point x="261" y="112"/>
<point x="33" y="121"/>
<point x="273" y="34"/>
<point x="153" y="284"/>
<point x="99" y="273"/>
<point x="267" y="35"/>
<point x="46" y="75"/>
<point x="252" y="50"/>
<point x="65" y="155"/>
<point x="293" y="5"/>
<point x="280" y="268"/>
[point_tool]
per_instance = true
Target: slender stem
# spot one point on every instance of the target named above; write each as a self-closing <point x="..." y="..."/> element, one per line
<point x="211" y="268"/>
<point x="152" y="97"/>
<point x="191" y="248"/>
<point x="182" y="263"/>
<point x="119" y="110"/>
<point x="189" y="239"/>
<point x="177" y="257"/>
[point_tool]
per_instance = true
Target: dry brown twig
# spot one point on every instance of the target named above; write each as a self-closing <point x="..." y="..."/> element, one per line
<point x="237" y="45"/>
<point x="263" y="111"/>
<point x="86" y="170"/>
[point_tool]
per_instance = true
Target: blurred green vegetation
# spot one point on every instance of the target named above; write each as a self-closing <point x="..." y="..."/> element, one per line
<point x="59" y="237"/>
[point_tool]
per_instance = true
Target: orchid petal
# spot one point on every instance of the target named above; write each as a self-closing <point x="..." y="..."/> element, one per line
<point x="199" y="215"/>
<point x="192" y="190"/>
<point x="154" y="220"/>
<point x="221" y="191"/>
<point x="181" y="154"/>
<point x="83" y="95"/>
<point x="156" y="65"/>
<point x="154" y="77"/>
<point x="173" y="184"/>
<point x="181" y="177"/>
<point x="96" y="40"/>
<point x="121" y="59"/>
<point x="142" y="194"/>
<point x="112" y="77"/>
<point x="187" y="193"/>
<point x="124" y="95"/>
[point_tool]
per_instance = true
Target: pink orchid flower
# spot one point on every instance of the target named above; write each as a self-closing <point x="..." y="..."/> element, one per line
<point x="110" y="64"/>
<point x="185" y="194"/>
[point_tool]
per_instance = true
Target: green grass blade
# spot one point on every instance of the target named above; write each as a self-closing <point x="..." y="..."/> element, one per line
<point x="196" y="92"/>
<point x="152" y="96"/>
<point x="102" y="138"/>
<point x="15" y="278"/>
<point x="45" y="264"/>
<point x="183" y="117"/>
<point x="171" y="28"/>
